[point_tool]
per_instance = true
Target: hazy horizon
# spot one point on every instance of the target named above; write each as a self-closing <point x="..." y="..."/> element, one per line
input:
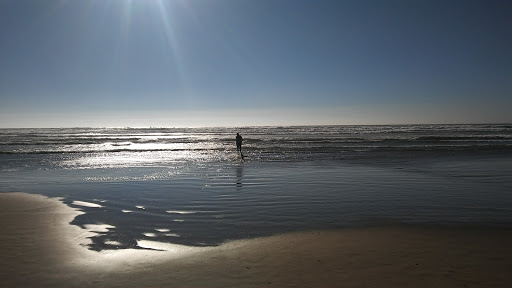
<point x="174" y="63"/>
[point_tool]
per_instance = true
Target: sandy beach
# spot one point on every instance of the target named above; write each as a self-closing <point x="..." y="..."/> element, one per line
<point x="39" y="248"/>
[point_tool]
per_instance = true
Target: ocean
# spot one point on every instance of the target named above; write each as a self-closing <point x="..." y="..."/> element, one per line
<point x="189" y="185"/>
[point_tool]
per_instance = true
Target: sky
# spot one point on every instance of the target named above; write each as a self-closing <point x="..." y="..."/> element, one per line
<point x="189" y="63"/>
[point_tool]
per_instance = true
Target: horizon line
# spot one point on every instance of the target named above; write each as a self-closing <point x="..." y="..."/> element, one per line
<point x="254" y="126"/>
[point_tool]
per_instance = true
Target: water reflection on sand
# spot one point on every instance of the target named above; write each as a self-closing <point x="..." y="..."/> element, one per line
<point x="209" y="204"/>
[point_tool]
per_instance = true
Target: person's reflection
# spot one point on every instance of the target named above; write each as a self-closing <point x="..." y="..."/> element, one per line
<point x="239" y="175"/>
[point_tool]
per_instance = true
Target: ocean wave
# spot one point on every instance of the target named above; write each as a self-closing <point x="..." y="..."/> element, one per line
<point x="300" y="141"/>
<point x="464" y="138"/>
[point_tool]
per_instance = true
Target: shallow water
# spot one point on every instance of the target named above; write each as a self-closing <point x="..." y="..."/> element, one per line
<point x="162" y="195"/>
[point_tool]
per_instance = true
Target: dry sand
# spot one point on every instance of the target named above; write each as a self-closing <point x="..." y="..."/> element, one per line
<point x="40" y="249"/>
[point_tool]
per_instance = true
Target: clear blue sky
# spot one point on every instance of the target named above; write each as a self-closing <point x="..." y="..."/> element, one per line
<point x="259" y="62"/>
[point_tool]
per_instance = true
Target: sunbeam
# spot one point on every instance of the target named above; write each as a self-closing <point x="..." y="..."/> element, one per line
<point x="165" y="11"/>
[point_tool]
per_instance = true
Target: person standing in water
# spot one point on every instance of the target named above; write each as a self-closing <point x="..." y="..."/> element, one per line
<point x="239" y="140"/>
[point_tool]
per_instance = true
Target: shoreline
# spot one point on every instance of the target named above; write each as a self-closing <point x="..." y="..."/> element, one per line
<point x="40" y="248"/>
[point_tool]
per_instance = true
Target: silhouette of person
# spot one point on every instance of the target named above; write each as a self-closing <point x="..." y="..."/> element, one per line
<point x="239" y="140"/>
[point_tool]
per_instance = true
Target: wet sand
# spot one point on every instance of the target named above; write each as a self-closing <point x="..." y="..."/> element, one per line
<point x="39" y="248"/>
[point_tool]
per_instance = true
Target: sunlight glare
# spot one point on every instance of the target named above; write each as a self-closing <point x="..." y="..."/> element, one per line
<point x="167" y="24"/>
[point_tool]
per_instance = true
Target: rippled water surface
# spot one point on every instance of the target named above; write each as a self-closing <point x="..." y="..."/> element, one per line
<point x="189" y="186"/>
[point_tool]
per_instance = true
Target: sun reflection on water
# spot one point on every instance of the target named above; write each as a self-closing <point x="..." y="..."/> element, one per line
<point x="125" y="159"/>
